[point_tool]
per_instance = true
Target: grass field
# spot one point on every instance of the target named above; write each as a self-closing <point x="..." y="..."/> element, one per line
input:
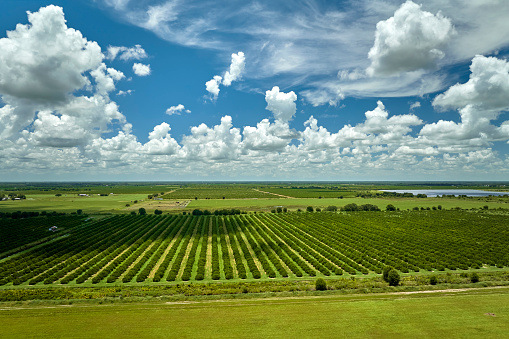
<point x="117" y="203"/>
<point x="248" y="197"/>
<point x="474" y="313"/>
<point x="302" y="203"/>
<point x="71" y="202"/>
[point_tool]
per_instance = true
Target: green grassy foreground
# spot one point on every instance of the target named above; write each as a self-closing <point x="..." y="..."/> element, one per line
<point x="480" y="313"/>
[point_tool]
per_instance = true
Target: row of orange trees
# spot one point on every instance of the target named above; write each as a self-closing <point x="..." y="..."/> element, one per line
<point x="133" y="248"/>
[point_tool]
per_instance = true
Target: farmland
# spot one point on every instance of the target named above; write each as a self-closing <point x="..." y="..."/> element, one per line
<point x="255" y="242"/>
<point x="179" y="248"/>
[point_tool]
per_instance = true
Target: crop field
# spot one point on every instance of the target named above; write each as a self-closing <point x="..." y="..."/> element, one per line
<point x="301" y="203"/>
<point x="173" y="248"/>
<point x="311" y="192"/>
<point x="217" y="192"/>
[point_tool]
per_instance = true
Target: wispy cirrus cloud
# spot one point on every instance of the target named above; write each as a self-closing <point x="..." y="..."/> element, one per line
<point x="306" y="43"/>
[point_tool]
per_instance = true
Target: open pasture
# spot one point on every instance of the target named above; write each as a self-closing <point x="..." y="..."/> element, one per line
<point x="72" y="202"/>
<point x="173" y="248"/>
<point x="301" y="203"/>
<point x="217" y="191"/>
<point x="483" y="313"/>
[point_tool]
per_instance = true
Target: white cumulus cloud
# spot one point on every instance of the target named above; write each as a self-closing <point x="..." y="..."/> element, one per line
<point x="233" y="74"/>
<point x="126" y="53"/>
<point x="177" y="110"/>
<point x="212" y="86"/>
<point x="236" y="68"/>
<point x="487" y="88"/>
<point x="411" y="40"/>
<point x="281" y="104"/>
<point x="141" y="70"/>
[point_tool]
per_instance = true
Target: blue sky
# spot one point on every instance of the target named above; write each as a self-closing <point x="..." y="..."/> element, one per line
<point x="266" y="90"/>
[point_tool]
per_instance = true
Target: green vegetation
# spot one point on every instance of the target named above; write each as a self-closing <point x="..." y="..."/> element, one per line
<point x="218" y="191"/>
<point x="159" y="248"/>
<point x="79" y="244"/>
<point x="458" y="315"/>
<point x="321" y="284"/>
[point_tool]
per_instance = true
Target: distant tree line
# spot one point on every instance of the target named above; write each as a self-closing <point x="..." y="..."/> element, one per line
<point x="232" y="211"/>
<point x="389" y="195"/>
<point x="31" y="214"/>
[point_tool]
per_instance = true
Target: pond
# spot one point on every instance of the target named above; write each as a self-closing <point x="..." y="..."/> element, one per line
<point x="456" y="192"/>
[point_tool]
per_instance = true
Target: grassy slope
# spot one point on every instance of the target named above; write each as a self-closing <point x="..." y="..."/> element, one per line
<point x="420" y="315"/>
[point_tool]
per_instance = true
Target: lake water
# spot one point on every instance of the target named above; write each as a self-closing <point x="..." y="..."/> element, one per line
<point x="456" y="192"/>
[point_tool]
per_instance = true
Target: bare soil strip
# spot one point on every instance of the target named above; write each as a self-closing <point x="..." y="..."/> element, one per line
<point x="188" y="250"/>
<point x="248" y="245"/>
<point x="279" y="195"/>
<point x="275" y="237"/>
<point x="335" y="296"/>
<point x="147" y="249"/>
<point x="230" y="251"/>
<point x="288" y="270"/>
<point x="208" y="257"/>
<point x="165" y="253"/>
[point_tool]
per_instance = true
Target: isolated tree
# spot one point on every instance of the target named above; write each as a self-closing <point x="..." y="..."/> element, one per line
<point x="331" y="208"/>
<point x="474" y="277"/>
<point x="393" y="277"/>
<point x="158" y="212"/>
<point x="79" y="211"/>
<point x="279" y="209"/>
<point x="285" y="210"/>
<point x="385" y="272"/>
<point x="309" y="208"/>
<point x="142" y="211"/>
<point x="390" y="208"/>
<point x="433" y="280"/>
<point x="320" y="284"/>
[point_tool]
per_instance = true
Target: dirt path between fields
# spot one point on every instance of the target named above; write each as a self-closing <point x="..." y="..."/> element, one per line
<point x="331" y="296"/>
<point x="279" y="195"/>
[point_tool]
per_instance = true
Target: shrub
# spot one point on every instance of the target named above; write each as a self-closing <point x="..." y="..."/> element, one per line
<point x="393" y="277"/>
<point x="474" y="277"/>
<point x="390" y="208"/>
<point x="309" y="208"/>
<point x="385" y="273"/>
<point x="331" y="208"/>
<point x="158" y="212"/>
<point x="433" y="280"/>
<point x="142" y="211"/>
<point x="350" y="207"/>
<point x="320" y="284"/>
<point x="318" y="209"/>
